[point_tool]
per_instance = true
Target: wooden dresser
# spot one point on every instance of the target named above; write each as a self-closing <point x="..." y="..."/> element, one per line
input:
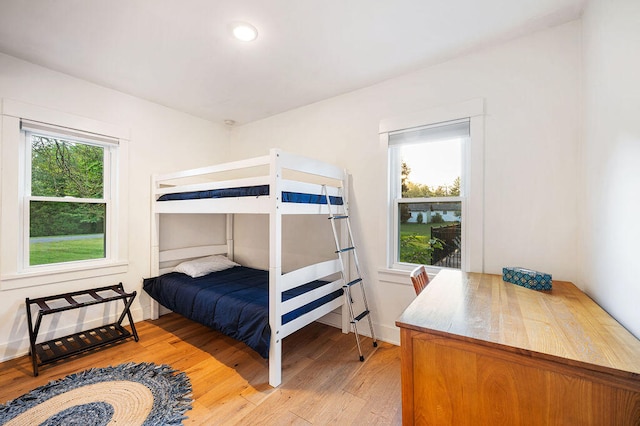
<point x="479" y="351"/>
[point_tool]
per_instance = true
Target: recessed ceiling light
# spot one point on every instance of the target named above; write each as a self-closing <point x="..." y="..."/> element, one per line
<point x="244" y="32"/>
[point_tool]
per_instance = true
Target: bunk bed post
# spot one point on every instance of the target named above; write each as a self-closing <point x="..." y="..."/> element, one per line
<point x="344" y="242"/>
<point x="155" y="245"/>
<point x="275" y="270"/>
<point x="230" y="248"/>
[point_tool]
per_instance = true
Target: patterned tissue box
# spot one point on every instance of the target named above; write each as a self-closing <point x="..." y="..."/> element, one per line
<point x="527" y="278"/>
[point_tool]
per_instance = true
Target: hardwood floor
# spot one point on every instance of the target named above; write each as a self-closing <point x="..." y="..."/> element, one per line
<point x="323" y="380"/>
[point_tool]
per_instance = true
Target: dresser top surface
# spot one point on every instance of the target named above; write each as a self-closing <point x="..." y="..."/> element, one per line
<point x="562" y="324"/>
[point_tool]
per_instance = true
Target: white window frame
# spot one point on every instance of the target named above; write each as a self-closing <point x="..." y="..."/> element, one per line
<point x="110" y="183"/>
<point x="14" y="220"/>
<point x="472" y="190"/>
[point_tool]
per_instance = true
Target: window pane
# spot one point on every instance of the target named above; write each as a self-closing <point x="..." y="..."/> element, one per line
<point x="430" y="169"/>
<point x="65" y="232"/>
<point x="61" y="168"/>
<point x="430" y="233"/>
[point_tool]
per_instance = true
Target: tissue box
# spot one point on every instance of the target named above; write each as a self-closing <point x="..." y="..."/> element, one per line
<point x="527" y="278"/>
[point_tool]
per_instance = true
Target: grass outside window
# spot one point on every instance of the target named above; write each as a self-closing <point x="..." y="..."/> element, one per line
<point x="58" y="251"/>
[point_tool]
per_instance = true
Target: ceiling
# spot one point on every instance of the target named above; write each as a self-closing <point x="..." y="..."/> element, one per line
<point x="180" y="53"/>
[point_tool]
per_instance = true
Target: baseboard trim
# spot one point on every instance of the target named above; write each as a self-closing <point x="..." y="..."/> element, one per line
<point x="384" y="333"/>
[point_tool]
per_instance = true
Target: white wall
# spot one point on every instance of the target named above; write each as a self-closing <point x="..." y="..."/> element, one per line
<point x="162" y="140"/>
<point x="611" y="172"/>
<point x="531" y="90"/>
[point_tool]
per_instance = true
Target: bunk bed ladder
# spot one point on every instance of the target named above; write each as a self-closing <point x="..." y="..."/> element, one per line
<point x="342" y="252"/>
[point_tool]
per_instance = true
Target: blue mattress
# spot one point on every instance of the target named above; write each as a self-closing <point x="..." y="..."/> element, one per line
<point x="234" y="301"/>
<point x="251" y="191"/>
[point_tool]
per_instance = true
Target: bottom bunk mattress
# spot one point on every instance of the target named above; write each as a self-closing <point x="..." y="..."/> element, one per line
<point x="234" y="301"/>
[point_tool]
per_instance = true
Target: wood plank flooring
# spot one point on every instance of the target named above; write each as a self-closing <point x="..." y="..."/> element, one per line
<point x="323" y="380"/>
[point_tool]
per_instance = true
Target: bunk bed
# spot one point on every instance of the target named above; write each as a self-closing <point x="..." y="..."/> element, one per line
<point x="260" y="307"/>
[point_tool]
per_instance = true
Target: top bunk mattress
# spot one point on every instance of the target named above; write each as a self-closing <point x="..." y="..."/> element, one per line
<point x="252" y="191"/>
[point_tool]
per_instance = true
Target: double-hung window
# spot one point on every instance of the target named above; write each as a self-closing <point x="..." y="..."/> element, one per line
<point x="435" y="192"/>
<point x="427" y="186"/>
<point x="68" y="208"/>
<point x="63" y="197"/>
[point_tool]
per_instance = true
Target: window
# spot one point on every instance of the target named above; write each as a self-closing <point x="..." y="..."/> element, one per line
<point x="427" y="189"/>
<point x="67" y="203"/>
<point x="436" y="188"/>
<point x="50" y="186"/>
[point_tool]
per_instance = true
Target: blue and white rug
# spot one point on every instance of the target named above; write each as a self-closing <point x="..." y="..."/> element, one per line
<point x="128" y="394"/>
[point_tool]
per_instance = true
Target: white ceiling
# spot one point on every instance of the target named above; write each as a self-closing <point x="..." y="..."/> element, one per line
<point x="179" y="53"/>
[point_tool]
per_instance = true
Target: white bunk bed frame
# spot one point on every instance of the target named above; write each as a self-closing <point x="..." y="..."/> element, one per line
<point x="277" y="161"/>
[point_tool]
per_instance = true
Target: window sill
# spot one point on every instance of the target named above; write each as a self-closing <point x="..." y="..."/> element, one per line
<point x="52" y="275"/>
<point x="395" y="276"/>
<point x="401" y="276"/>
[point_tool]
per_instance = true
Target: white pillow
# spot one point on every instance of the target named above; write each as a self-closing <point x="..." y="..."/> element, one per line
<point x="205" y="265"/>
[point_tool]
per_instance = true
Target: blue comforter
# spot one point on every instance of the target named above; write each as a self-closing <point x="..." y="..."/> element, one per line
<point x="234" y="301"/>
<point x="252" y="191"/>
